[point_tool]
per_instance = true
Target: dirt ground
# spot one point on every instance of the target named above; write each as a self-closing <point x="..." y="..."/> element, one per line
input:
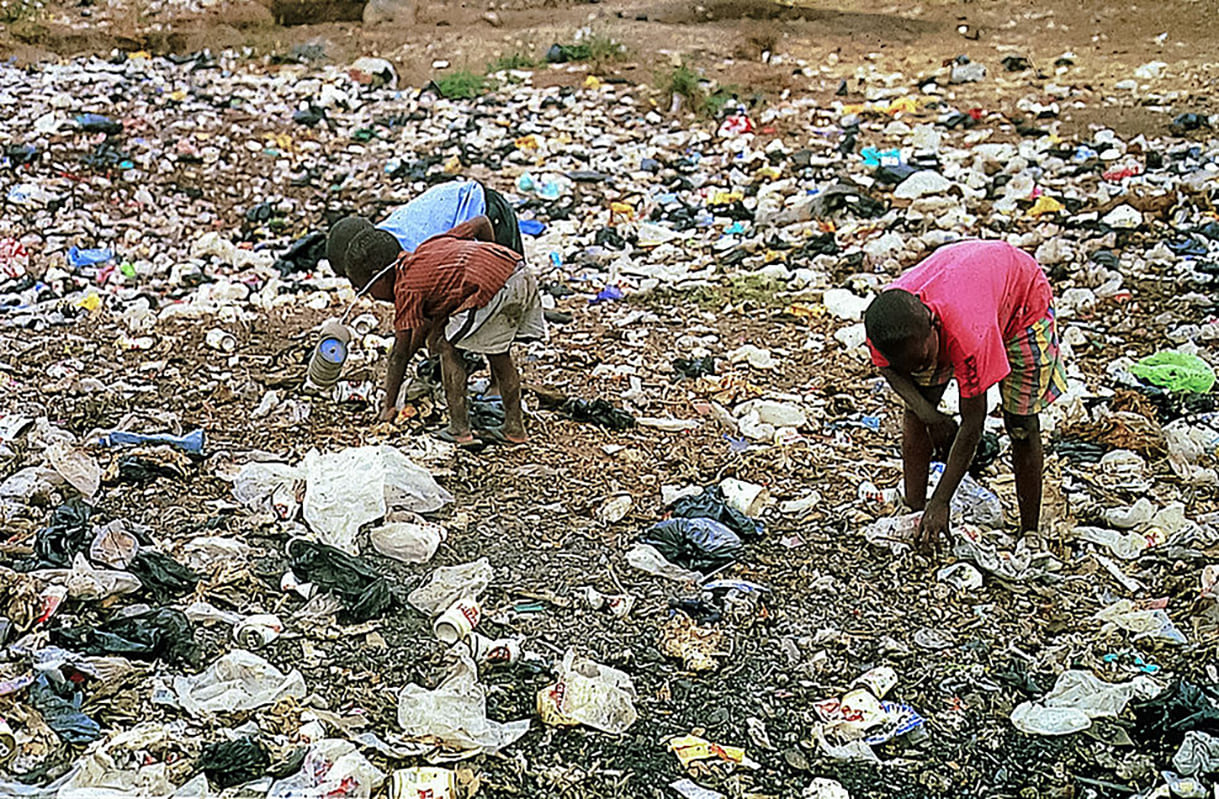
<point x="833" y="612"/>
<point x="763" y="48"/>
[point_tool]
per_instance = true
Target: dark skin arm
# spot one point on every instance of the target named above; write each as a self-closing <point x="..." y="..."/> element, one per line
<point x="406" y="344"/>
<point x="941" y="427"/>
<point x="935" y="518"/>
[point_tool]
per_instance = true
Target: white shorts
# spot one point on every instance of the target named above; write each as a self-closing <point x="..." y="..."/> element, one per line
<point x="513" y="314"/>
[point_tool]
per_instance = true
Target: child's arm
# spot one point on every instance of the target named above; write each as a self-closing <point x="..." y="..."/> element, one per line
<point x="406" y="344"/>
<point x="960" y="457"/>
<point x="914" y="399"/>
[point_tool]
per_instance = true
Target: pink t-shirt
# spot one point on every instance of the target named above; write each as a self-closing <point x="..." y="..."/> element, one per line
<point x="984" y="293"/>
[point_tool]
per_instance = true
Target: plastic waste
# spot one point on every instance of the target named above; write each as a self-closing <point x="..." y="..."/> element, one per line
<point x="449" y="584"/>
<point x="1152" y="623"/>
<point x="363" y="593"/>
<point x="192" y="442"/>
<point x="83" y="581"/>
<point x="238" y="681"/>
<point x="974" y="503"/>
<point x="163" y="577"/>
<point x="332" y="768"/>
<point x="456" y="713"/>
<point x="409" y="542"/>
<point x="230" y="763"/>
<point x="591" y="694"/>
<point x="1198" y="754"/>
<point x="76" y="467"/>
<point x="59" y="702"/>
<point x="825" y="788"/>
<point x="713" y="504"/>
<point x="599" y="412"/>
<point x="844" y="304"/>
<point x="277" y="487"/>
<point x="1178" y="372"/>
<point x="1076" y="699"/>
<point x="152" y="634"/>
<point x="699" y="544"/>
<point x="348" y="489"/>
<point x="65" y="535"/>
<point x="648" y="558"/>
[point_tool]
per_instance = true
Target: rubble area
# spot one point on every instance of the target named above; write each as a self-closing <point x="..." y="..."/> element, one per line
<point x="696" y="579"/>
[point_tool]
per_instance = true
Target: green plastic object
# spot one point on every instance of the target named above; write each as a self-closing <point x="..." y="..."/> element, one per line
<point x="1176" y="371"/>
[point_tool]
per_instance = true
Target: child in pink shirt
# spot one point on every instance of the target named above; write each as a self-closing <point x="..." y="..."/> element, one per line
<point x="980" y="311"/>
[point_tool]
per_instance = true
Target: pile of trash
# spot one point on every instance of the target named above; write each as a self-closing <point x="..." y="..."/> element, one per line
<point x="213" y="578"/>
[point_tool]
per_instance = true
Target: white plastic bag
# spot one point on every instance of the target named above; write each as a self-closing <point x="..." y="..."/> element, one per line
<point x="450" y="583"/>
<point x="591" y="694"/>
<point x="332" y="768"/>
<point x="409" y="542"/>
<point x="348" y="489"/>
<point x="456" y="713"/>
<point x="237" y="681"/>
<point x="1076" y="699"/>
<point x="270" y="486"/>
<point x="76" y="467"/>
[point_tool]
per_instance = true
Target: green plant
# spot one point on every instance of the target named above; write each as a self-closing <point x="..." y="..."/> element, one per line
<point x="684" y="82"/>
<point x="716" y="101"/>
<point x="602" y="49"/>
<point x="13" y="11"/>
<point x="757" y="290"/>
<point x="515" y="60"/>
<point x="462" y="85"/>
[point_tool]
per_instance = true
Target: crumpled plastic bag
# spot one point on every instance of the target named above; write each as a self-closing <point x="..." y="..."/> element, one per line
<point x="700" y="544"/>
<point x="598" y="412"/>
<point x="60" y="708"/>
<point x="710" y="504"/>
<point x="163" y="632"/>
<point x="409" y="542"/>
<point x="162" y="576"/>
<point x="1183" y="707"/>
<point x="348" y="489"/>
<point x="66" y="534"/>
<point x="456" y="713"/>
<point x="83" y="581"/>
<point x="1179" y="372"/>
<point x="1198" y="754"/>
<point x="363" y="592"/>
<point x="76" y="467"/>
<point x="237" y="681"/>
<point x="1076" y="698"/>
<point x="450" y="583"/>
<point x="1151" y="623"/>
<point x="591" y="694"/>
<point x="229" y="763"/>
<point x="271" y="486"/>
<point x="332" y="768"/>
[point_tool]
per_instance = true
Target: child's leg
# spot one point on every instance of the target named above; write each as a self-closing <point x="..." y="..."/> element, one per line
<point x="1027" y="463"/>
<point x="453" y="376"/>
<point x="917" y="448"/>
<point x="503" y="372"/>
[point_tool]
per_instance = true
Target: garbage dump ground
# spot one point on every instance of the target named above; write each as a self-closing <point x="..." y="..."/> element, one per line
<point x="696" y="578"/>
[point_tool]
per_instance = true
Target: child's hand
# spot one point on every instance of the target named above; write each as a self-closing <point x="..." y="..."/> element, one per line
<point x="933" y="527"/>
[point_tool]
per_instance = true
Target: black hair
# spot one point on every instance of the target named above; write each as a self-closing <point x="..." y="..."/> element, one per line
<point x="340" y="237"/>
<point x="894" y="318"/>
<point x="369" y="252"/>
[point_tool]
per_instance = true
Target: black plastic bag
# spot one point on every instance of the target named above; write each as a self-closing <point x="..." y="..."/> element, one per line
<point x="1176" y="711"/>
<point x="60" y="709"/>
<point x="303" y="255"/>
<point x="157" y="633"/>
<point x="229" y="763"/>
<point x="700" y="544"/>
<point x="711" y="505"/>
<point x="66" y="534"/>
<point x="598" y="412"/>
<point x="162" y="576"/>
<point x="364" y="593"/>
<point x="694" y="367"/>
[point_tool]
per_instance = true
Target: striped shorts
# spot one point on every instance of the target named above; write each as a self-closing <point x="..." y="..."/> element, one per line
<point x="1038" y="376"/>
